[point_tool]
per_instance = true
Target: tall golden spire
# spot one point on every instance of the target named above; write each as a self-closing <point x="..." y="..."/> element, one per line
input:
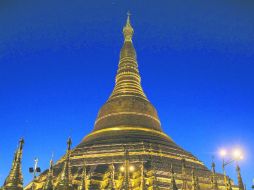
<point x="128" y="105"/>
<point x="49" y="185"/>
<point x="15" y="179"/>
<point x="65" y="176"/>
<point x="128" y="78"/>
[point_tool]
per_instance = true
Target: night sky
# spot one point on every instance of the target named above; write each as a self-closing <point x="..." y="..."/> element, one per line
<point x="58" y="60"/>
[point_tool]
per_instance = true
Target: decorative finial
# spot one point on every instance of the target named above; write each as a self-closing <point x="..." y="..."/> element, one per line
<point x="128" y="30"/>
<point x="213" y="167"/>
<point x="21" y="143"/>
<point x="214" y="183"/>
<point x="52" y="157"/>
<point x="51" y="164"/>
<point x="128" y="17"/>
<point x="69" y="143"/>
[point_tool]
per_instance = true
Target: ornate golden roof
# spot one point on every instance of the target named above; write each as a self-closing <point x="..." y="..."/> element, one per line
<point x="128" y="104"/>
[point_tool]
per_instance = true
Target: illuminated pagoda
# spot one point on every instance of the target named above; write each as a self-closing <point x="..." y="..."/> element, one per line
<point x="127" y="149"/>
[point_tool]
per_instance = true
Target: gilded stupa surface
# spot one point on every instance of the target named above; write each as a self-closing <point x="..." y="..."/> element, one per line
<point x="127" y="148"/>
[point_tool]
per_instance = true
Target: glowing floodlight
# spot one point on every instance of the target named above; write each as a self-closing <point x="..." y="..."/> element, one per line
<point x="223" y="152"/>
<point x="122" y="169"/>
<point x="237" y="153"/>
<point x="132" y="168"/>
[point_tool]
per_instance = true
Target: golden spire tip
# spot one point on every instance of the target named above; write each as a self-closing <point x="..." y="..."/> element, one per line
<point x="128" y="30"/>
<point x="128" y="17"/>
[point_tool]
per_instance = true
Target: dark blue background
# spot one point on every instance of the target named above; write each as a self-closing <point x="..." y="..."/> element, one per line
<point x="58" y="60"/>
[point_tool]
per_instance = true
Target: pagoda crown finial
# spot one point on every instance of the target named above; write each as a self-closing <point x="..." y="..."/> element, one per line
<point x="69" y="143"/>
<point x="21" y="143"/>
<point x="128" y="30"/>
<point x="128" y="18"/>
<point x="51" y="163"/>
<point x="213" y="167"/>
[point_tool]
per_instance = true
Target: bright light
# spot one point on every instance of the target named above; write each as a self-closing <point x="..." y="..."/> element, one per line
<point x="132" y="168"/>
<point x="238" y="154"/>
<point x="122" y="169"/>
<point x="223" y="152"/>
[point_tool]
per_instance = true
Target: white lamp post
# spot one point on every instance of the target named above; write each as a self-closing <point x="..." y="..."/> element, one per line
<point x="236" y="156"/>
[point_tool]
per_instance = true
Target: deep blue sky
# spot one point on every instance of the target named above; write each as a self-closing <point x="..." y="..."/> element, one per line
<point x="58" y="60"/>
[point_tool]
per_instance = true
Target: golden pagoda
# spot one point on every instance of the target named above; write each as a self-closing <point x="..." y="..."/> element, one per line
<point x="127" y="149"/>
<point x="14" y="181"/>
